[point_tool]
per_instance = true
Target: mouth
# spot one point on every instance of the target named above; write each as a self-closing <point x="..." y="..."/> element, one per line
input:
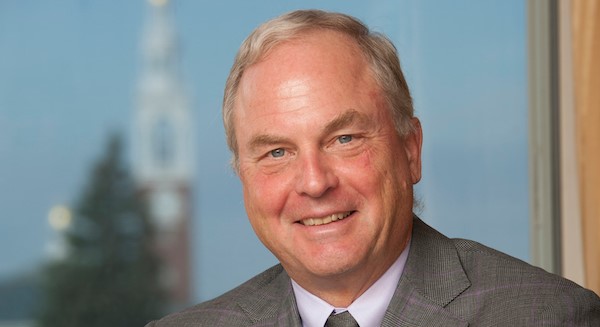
<point x="326" y="220"/>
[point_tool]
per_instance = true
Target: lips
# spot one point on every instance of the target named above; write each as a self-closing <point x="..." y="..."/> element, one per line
<point x="325" y="220"/>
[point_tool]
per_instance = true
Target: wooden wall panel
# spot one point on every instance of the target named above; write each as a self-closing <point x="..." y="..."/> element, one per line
<point x="586" y="70"/>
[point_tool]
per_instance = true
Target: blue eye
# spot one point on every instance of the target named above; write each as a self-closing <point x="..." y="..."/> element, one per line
<point x="277" y="153"/>
<point x="345" y="138"/>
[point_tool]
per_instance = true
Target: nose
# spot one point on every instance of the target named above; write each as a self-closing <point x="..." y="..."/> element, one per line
<point x="315" y="175"/>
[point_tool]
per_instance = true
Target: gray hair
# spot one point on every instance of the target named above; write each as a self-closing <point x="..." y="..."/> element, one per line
<point x="378" y="50"/>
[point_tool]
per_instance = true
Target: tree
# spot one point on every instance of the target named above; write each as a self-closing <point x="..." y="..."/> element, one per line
<point x="110" y="274"/>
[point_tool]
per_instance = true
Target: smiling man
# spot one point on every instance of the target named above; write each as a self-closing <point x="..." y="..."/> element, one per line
<point x="320" y="122"/>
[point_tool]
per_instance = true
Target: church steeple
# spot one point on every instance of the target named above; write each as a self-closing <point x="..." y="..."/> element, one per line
<point x="163" y="151"/>
<point x="163" y="132"/>
<point x="159" y="48"/>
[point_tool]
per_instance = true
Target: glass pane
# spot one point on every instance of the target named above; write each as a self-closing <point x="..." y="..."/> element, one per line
<point x="468" y="70"/>
<point x="70" y="75"/>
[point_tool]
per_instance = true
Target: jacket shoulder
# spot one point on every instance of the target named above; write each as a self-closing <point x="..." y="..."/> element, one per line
<point x="484" y="287"/>
<point x="501" y="284"/>
<point x="229" y="309"/>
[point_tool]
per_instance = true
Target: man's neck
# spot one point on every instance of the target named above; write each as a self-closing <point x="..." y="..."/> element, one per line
<point x="342" y="289"/>
<point x="368" y="309"/>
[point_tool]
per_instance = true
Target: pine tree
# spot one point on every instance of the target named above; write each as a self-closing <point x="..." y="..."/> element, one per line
<point x="110" y="275"/>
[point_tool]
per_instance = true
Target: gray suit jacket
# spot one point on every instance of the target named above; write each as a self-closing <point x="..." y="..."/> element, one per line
<point x="446" y="282"/>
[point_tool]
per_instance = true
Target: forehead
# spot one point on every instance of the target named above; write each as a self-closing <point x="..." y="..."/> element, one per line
<point x="329" y="47"/>
<point x="316" y="61"/>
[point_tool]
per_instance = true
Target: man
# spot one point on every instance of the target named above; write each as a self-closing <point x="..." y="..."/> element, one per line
<point x="320" y="122"/>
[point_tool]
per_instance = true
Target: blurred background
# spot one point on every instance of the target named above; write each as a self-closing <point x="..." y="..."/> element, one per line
<point x="117" y="200"/>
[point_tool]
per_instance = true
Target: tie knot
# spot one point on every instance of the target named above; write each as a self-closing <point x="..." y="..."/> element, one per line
<point x="343" y="319"/>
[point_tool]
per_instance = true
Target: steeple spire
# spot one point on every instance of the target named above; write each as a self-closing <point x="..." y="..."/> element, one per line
<point x="163" y="151"/>
<point x="163" y="132"/>
<point x="159" y="48"/>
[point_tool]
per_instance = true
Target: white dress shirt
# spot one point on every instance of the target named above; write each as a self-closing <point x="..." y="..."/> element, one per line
<point x="368" y="309"/>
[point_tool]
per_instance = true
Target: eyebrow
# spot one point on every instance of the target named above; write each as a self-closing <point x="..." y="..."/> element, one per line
<point x="265" y="140"/>
<point x="345" y="119"/>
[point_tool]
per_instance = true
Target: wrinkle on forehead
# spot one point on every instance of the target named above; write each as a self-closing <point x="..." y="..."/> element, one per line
<point x="293" y="88"/>
<point x="295" y="93"/>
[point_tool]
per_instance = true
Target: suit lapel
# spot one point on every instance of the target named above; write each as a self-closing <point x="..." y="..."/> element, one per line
<point x="288" y="314"/>
<point x="432" y="278"/>
<point x="274" y="304"/>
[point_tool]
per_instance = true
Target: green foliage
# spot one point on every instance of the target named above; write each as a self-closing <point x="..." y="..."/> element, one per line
<point x="110" y="275"/>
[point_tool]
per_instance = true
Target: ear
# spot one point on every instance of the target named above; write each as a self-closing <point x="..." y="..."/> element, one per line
<point x="412" y="145"/>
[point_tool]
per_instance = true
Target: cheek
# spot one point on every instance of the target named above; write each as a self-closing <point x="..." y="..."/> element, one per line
<point x="257" y="209"/>
<point x="380" y="174"/>
<point x="373" y="165"/>
<point x="264" y="197"/>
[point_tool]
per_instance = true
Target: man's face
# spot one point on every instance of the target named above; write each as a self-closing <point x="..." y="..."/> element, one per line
<point x="327" y="181"/>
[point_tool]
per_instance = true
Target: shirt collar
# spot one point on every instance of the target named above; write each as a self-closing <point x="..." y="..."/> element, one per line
<point x="368" y="309"/>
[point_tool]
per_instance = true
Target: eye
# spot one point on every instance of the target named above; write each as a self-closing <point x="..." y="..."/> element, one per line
<point x="345" y="138"/>
<point x="277" y="153"/>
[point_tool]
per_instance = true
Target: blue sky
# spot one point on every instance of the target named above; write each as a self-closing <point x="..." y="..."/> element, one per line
<point x="68" y="73"/>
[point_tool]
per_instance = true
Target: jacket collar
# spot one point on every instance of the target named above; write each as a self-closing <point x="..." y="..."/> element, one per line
<point x="432" y="278"/>
<point x="273" y="304"/>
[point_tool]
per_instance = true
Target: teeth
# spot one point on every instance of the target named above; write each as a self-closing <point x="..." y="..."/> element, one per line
<point x="325" y="220"/>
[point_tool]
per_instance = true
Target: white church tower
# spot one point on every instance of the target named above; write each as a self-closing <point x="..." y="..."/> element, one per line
<point x="163" y="151"/>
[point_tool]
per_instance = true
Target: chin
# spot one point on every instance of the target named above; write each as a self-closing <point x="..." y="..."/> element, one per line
<point x="331" y="268"/>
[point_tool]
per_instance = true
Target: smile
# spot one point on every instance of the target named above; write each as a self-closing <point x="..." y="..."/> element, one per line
<point x="326" y="220"/>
